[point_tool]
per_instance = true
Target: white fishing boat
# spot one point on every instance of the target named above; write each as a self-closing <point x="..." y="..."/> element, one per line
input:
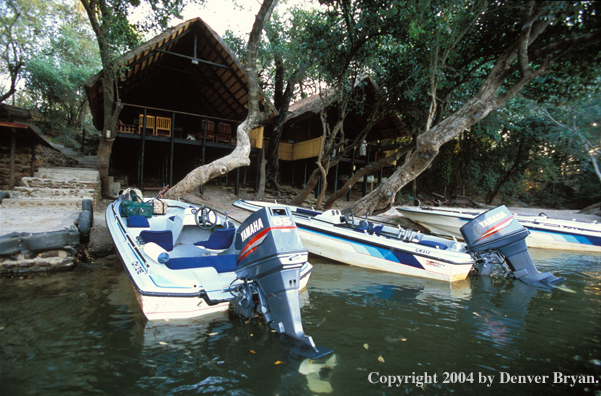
<point x="340" y="237"/>
<point x="545" y="232"/>
<point x="185" y="261"/>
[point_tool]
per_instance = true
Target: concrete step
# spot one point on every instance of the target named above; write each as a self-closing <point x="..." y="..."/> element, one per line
<point x="115" y="187"/>
<point x="83" y="174"/>
<point x="38" y="182"/>
<point x="63" y="203"/>
<point x="52" y="193"/>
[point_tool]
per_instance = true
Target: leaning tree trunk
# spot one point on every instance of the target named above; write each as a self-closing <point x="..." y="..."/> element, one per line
<point x="261" y="191"/>
<point x="241" y="154"/>
<point x="513" y="62"/>
<point x="367" y="170"/>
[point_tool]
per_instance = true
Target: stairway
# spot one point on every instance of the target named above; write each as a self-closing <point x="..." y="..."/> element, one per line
<point x="84" y="161"/>
<point x="56" y="187"/>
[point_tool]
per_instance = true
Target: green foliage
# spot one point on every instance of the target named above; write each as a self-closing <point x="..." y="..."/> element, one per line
<point x="522" y="152"/>
<point x="22" y="24"/>
<point x="56" y="73"/>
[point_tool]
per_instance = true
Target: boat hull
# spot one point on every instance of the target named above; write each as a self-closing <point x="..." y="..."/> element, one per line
<point x="365" y="255"/>
<point x="377" y="252"/>
<point x="185" y="307"/>
<point x="545" y="233"/>
<point x="182" y="294"/>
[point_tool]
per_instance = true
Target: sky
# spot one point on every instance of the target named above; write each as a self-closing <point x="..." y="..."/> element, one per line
<point x="236" y="15"/>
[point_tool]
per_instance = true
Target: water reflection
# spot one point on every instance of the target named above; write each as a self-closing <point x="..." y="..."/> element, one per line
<point x="82" y="332"/>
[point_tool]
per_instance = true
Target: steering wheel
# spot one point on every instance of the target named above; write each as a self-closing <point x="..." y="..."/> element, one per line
<point x="205" y="217"/>
<point x="349" y="218"/>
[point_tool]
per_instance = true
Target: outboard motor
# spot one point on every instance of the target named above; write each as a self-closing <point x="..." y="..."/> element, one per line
<point x="269" y="261"/>
<point x="497" y="231"/>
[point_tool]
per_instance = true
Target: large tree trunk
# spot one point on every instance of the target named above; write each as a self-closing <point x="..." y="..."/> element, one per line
<point x="514" y="62"/>
<point x="241" y="154"/>
<point x="261" y="191"/>
<point x="111" y="112"/>
<point x="367" y="170"/>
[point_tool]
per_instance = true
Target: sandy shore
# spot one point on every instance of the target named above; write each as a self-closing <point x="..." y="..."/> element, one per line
<point x="221" y="199"/>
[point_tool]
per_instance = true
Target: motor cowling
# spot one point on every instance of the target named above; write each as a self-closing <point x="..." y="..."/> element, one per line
<point x="498" y="230"/>
<point x="271" y="255"/>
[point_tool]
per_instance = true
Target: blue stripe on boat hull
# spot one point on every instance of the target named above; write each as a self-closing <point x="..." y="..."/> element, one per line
<point x="569" y="237"/>
<point x="393" y="255"/>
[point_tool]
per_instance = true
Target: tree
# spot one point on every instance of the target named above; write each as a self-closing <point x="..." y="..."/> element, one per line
<point x="57" y="71"/>
<point x="115" y="34"/>
<point x="21" y="24"/>
<point x="507" y="47"/>
<point x="240" y="156"/>
<point x="582" y="120"/>
<point x="349" y="32"/>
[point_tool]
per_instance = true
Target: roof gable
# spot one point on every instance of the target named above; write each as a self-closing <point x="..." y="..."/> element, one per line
<point x="188" y="68"/>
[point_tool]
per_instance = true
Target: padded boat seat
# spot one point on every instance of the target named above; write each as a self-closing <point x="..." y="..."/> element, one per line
<point x="307" y="212"/>
<point x="222" y="263"/>
<point x="162" y="238"/>
<point x="219" y="239"/>
<point x="437" y="245"/>
<point x="137" y="221"/>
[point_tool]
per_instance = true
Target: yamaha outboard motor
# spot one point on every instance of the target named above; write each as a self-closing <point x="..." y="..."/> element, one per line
<point x="497" y="231"/>
<point x="269" y="262"/>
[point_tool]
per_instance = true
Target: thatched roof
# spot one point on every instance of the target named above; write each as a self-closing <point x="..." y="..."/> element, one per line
<point x="188" y="68"/>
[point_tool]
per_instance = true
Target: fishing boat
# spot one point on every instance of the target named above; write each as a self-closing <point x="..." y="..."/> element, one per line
<point x="493" y="238"/>
<point x="185" y="261"/>
<point x="545" y="232"/>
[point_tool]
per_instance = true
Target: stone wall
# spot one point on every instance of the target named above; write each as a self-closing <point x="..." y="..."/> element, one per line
<point x="44" y="157"/>
<point x="51" y="260"/>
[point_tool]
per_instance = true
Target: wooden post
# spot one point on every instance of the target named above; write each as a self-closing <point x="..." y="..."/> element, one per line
<point x="348" y="195"/>
<point x="259" y="156"/>
<point x="13" y="148"/>
<point x="33" y="145"/>
<point x="381" y="158"/>
<point x="365" y="176"/>
<point x="237" y="188"/>
<point x="204" y="146"/>
<point x="142" y="154"/>
<point x="171" y="149"/>
<point x="305" y="178"/>
<point x="336" y="177"/>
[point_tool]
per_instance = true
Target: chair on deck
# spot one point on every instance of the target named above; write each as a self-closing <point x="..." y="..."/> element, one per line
<point x="123" y="128"/>
<point x="224" y="133"/>
<point x="150" y="122"/>
<point x="163" y="126"/>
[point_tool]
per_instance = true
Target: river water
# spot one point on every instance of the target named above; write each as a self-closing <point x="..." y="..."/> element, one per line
<point x="82" y="333"/>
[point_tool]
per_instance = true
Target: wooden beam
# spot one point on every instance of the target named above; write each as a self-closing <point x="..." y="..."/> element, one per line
<point x="195" y="59"/>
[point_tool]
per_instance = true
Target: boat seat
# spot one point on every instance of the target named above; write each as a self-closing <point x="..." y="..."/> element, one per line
<point x="378" y="229"/>
<point x="307" y="212"/>
<point x="162" y="238"/>
<point x="434" y="244"/>
<point x="137" y="221"/>
<point x="221" y="263"/>
<point x="218" y="240"/>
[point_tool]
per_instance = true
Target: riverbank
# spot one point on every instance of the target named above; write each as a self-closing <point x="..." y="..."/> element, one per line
<point x="218" y="197"/>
